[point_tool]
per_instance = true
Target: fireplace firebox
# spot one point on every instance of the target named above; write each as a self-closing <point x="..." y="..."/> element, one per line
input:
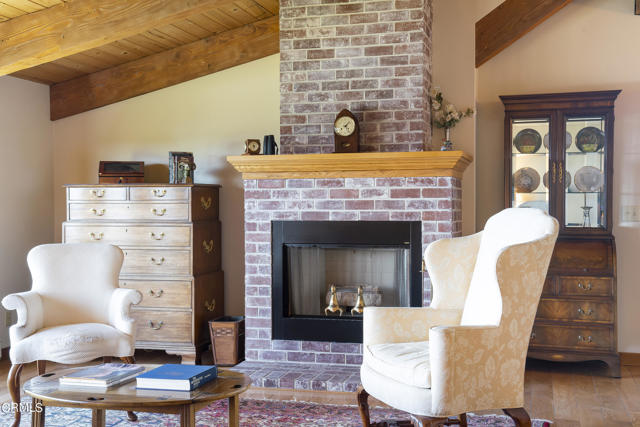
<point x="318" y="264"/>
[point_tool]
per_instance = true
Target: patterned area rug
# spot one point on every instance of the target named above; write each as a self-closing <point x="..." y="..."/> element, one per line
<point x="253" y="413"/>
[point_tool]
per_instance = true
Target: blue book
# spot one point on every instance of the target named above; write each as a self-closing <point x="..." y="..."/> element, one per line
<point x="177" y="377"/>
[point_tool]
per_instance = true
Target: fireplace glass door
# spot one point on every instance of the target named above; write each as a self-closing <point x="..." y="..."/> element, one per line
<point x="380" y="274"/>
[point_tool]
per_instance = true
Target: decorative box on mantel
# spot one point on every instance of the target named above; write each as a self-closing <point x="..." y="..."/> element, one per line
<point x="421" y="189"/>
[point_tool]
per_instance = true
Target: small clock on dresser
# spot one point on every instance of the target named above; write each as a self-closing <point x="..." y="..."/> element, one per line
<point x="346" y="132"/>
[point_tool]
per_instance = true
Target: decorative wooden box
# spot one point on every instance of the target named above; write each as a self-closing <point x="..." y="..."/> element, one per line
<point x="112" y="172"/>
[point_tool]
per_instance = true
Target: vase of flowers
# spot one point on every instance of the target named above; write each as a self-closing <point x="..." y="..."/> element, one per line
<point x="445" y="115"/>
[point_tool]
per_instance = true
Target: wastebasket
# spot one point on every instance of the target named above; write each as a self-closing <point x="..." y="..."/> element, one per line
<point x="227" y="340"/>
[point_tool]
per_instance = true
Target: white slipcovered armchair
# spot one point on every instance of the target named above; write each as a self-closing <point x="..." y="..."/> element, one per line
<point x="74" y="313"/>
<point x="467" y="351"/>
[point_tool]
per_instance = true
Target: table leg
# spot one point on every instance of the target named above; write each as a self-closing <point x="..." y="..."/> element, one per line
<point x="97" y="417"/>
<point x="188" y="416"/>
<point x="234" y="415"/>
<point x="37" y="413"/>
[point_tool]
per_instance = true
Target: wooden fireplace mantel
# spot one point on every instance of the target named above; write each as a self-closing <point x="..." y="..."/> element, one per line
<point x="352" y="165"/>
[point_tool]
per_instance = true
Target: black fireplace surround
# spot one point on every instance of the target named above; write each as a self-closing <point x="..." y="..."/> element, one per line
<point x="336" y="234"/>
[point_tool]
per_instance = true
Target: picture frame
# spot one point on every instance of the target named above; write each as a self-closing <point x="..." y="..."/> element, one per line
<point x="181" y="167"/>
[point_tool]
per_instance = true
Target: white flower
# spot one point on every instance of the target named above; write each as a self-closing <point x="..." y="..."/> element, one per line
<point x="450" y="108"/>
<point x="449" y="116"/>
<point x="456" y="115"/>
<point x="435" y="105"/>
<point x="433" y="92"/>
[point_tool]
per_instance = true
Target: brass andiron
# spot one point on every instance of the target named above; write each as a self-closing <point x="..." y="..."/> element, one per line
<point x="359" y="307"/>
<point x="333" y="303"/>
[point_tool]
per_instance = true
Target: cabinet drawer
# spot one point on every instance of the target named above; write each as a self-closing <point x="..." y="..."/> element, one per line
<point x="159" y="193"/>
<point x="548" y="288"/>
<point x="161" y="293"/>
<point x="158" y="262"/>
<point x="575" y="310"/>
<point x="97" y="193"/>
<point x="129" y="211"/>
<point x="582" y="256"/>
<point x="129" y="235"/>
<point x="586" y="286"/>
<point x="572" y="337"/>
<point x="162" y="325"/>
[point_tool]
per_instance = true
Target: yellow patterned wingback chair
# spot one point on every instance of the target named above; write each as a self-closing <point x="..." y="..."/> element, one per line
<point x="467" y="351"/>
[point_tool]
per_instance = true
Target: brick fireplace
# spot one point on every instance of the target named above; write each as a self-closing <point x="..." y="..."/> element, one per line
<point x="409" y="186"/>
<point x="372" y="57"/>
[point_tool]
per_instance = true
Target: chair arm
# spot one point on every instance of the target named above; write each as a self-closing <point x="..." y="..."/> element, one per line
<point x="119" y="306"/>
<point x="28" y="305"/>
<point x="450" y="263"/>
<point x="475" y="368"/>
<point x="403" y="324"/>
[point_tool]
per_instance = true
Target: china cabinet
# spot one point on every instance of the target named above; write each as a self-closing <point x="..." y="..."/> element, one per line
<point x="559" y="158"/>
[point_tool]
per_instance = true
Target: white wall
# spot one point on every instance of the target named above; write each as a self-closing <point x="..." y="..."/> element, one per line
<point x="210" y="116"/>
<point x="588" y="45"/>
<point x="27" y="204"/>
<point x="453" y="38"/>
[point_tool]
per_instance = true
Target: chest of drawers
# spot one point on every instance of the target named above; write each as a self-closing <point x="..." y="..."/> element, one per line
<point x="576" y="318"/>
<point x="170" y="235"/>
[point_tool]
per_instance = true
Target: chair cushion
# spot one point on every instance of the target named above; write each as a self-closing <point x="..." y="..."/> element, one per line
<point x="405" y="362"/>
<point x="76" y="343"/>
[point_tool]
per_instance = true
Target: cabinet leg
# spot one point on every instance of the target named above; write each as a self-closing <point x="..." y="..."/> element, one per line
<point x="614" y="366"/>
<point x="519" y="416"/>
<point x="188" y="358"/>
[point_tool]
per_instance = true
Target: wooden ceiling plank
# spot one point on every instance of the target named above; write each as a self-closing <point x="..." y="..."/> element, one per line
<point x="178" y="34"/>
<point x="225" y="20"/>
<point x="10" y="11"/>
<point x="236" y="13"/>
<point x="207" y="23"/>
<point x="48" y="3"/>
<point x="273" y="6"/>
<point x="508" y="22"/>
<point x="194" y="29"/>
<point x="143" y="42"/>
<point x="197" y="59"/>
<point x="162" y="39"/>
<point x="57" y="72"/>
<point x="105" y="57"/>
<point x="25" y="5"/>
<point x="254" y="9"/>
<point x="126" y="47"/>
<point x="75" y="64"/>
<point x="79" y="25"/>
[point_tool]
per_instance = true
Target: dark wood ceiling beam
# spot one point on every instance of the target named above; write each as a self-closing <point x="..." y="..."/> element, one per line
<point x="183" y="63"/>
<point x="78" y="25"/>
<point x="508" y="22"/>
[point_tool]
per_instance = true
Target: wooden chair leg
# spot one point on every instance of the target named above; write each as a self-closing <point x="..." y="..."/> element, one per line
<point x="42" y="366"/>
<point x="463" y="420"/>
<point x="13" y="384"/>
<point x="519" y="416"/>
<point x="362" y="398"/>
<point x="421" y="421"/>
<point x="107" y="359"/>
<point x="131" y="360"/>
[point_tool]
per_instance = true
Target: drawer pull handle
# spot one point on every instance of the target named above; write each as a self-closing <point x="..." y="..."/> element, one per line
<point x="155" y="236"/>
<point x="97" y="212"/>
<point x="587" y="340"/>
<point x="585" y="313"/>
<point x="206" y="203"/>
<point x="585" y="288"/>
<point x="159" y="193"/>
<point x="155" y="326"/>
<point x="98" y="193"/>
<point x="157" y="261"/>
<point x="210" y="306"/>
<point x="208" y="247"/>
<point x="156" y="294"/>
<point x="157" y="212"/>
<point x="533" y="336"/>
<point x="96" y="236"/>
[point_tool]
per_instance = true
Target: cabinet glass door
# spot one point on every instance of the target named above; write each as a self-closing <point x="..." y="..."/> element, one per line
<point x="530" y="163"/>
<point x="584" y="172"/>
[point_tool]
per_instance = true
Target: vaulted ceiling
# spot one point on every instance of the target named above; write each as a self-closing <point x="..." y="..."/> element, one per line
<point x="96" y="52"/>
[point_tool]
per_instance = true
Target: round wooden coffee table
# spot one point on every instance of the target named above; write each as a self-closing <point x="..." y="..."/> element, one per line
<point x="46" y="390"/>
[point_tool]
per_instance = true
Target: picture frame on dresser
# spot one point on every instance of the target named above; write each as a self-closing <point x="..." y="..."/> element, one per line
<point x="171" y="238"/>
<point x="577" y="313"/>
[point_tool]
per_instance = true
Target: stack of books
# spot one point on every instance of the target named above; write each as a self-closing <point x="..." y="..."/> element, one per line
<point x="105" y="375"/>
<point x="176" y="377"/>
